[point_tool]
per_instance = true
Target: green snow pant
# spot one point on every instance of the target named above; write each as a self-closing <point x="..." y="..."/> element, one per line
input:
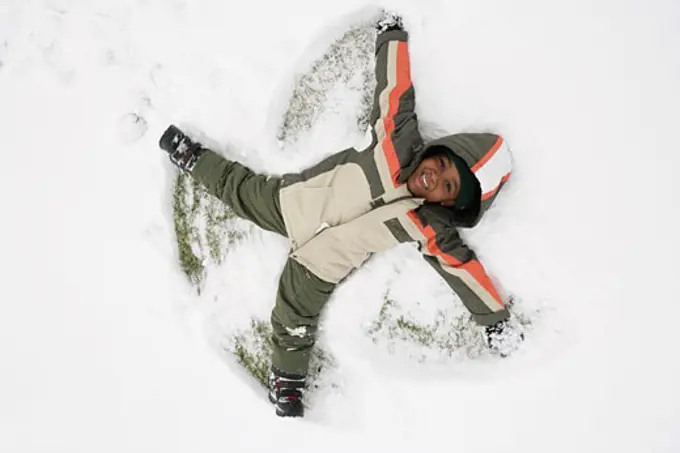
<point x="301" y="295"/>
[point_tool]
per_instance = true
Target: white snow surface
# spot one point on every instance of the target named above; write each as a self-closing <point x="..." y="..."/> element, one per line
<point x="104" y="347"/>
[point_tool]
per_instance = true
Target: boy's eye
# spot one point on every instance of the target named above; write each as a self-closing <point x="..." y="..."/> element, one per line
<point x="447" y="186"/>
<point x="441" y="162"/>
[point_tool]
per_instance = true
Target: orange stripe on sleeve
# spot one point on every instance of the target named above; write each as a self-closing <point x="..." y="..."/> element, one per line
<point x="496" y="146"/>
<point x="475" y="268"/>
<point x="403" y="69"/>
<point x="472" y="267"/>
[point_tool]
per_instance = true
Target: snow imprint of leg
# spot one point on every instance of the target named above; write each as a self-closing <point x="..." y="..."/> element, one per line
<point x="131" y="128"/>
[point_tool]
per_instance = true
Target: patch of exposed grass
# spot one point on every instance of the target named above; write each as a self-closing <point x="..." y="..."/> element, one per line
<point x="219" y="230"/>
<point x="184" y="208"/>
<point x="204" y="228"/>
<point x="446" y="334"/>
<point x="253" y="349"/>
<point x="349" y="61"/>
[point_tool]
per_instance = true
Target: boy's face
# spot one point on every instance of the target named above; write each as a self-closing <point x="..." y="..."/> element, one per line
<point x="436" y="179"/>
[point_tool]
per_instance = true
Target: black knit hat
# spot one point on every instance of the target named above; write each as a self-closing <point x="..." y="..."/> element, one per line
<point x="469" y="193"/>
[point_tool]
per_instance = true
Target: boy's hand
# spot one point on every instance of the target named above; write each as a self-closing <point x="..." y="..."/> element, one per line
<point x="504" y="337"/>
<point x="390" y="21"/>
<point x="182" y="150"/>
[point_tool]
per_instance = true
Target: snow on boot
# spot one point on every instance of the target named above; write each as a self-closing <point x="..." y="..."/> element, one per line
<point x="390" y="21"/>
<point x="285" y="391"/>
<point x="183" y="151"/>
<point x="504" y="337"/>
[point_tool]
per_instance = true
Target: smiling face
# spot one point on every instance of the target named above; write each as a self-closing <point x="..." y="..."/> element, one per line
<point x="436" y="179"/>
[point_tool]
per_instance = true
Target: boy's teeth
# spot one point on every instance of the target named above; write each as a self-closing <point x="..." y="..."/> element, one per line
<point x="423" y="181"/>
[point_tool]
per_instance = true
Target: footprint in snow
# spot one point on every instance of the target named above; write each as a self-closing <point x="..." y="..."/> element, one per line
<point x="131" y="128"/>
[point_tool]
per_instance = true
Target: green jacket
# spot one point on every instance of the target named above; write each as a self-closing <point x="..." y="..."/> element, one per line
<point x="356" y="203"/>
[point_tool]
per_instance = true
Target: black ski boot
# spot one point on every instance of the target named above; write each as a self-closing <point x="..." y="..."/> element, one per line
<point x="285" y="391"/>
<point x="183" y="151"/>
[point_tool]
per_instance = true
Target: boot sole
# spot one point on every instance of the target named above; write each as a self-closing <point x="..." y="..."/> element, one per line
<point x="170" y="133"/>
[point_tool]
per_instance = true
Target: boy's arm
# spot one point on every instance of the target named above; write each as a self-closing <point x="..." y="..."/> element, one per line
<point x="394" y="125"/>
<point x="458" y="265"/>
<point x="335" y="252"/>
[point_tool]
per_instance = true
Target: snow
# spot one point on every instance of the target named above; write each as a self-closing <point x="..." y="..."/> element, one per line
<point x="103" y="347"/>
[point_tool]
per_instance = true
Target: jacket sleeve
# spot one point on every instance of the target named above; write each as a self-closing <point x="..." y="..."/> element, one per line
<point x="458" y="265"/>
<point x="394" y="125"/>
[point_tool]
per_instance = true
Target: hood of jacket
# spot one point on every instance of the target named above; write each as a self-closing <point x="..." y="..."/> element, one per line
<point x="487" y="155"/>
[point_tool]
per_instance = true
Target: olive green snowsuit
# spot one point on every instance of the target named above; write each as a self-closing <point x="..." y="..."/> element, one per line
<point x="356" y="203"/>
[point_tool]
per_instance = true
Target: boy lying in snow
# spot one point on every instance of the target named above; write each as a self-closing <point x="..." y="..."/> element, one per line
<point x="358" y="202"/>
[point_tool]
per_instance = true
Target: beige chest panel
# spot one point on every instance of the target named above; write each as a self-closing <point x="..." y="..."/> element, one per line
<point x="335" y="252"/>
<point x="327" y="200"/>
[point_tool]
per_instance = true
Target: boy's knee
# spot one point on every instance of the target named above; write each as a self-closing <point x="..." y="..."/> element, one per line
<point x="291" y="346"/>
<point x="292" y="332"/>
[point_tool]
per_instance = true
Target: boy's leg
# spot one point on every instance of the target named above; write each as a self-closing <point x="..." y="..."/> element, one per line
<point x="251" y="196"/>
<point x="299" y="301"/>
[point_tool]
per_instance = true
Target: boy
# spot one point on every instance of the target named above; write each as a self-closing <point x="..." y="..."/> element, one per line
<point x="358" y="202"/>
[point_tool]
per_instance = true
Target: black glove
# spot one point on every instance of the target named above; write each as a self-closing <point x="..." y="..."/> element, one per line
<point x="504" y="337"/>
<point x="183" y="151"/>
<point x="390" y="21"/>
